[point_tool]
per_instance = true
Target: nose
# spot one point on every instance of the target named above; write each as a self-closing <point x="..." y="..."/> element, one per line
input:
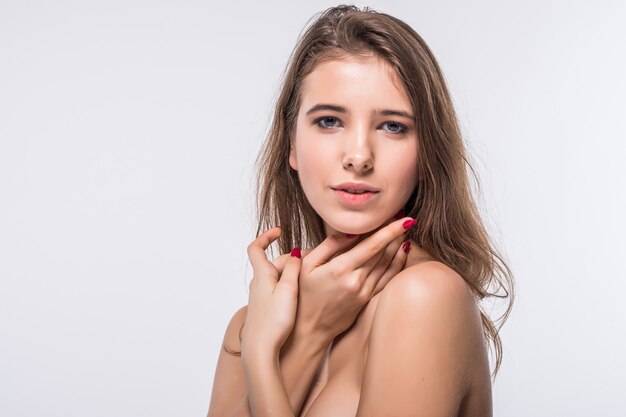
<point x="357" y="155"/>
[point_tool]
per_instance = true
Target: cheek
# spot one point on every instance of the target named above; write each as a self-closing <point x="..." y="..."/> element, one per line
<point x="409" y="171"/>
<point x="404" y="169"/>
<point x="313" y="160"/>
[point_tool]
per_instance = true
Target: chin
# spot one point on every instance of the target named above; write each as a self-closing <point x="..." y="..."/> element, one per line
<point x="355" y="226"/>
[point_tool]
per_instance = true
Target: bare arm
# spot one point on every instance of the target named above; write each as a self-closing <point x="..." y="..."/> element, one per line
<point x="300" y="359"/>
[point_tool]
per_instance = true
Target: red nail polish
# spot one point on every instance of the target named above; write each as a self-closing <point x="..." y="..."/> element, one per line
<point x="406" y="246"/>
<point x="399" y="215"/>
<point x="296" y="252"/>
<point x="350" y="235"/>
<point x="409" y="223"/>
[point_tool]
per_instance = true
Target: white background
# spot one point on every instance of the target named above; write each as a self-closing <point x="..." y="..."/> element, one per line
<point x="128" y="132"/>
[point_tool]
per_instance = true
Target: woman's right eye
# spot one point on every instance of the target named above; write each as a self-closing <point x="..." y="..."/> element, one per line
<point x="327" y="122"/>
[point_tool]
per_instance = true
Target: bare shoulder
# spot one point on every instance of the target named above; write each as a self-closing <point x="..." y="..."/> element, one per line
<point x="232" y="339"/>
<point x="425" y="332"/>
<point x="436" y="299"/>
<point x="228" y="383"/>
<point x="430" y="284"/>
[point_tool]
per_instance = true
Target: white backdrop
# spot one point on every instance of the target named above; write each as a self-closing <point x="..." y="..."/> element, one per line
<point x="128" y="130"/>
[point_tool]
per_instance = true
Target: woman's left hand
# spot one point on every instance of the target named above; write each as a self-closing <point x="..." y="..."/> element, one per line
<point x="273" y="299"/>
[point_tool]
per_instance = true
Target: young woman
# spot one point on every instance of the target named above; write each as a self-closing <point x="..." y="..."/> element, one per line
<point x="364" y="164"/>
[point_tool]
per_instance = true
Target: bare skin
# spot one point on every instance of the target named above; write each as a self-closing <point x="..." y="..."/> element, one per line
<point x="460" y="387"/>
<point x="331" y="293"/>
<point x="348" y="377"/>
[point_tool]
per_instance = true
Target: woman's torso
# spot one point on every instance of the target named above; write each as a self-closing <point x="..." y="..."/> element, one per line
<point x="337" y="388"/>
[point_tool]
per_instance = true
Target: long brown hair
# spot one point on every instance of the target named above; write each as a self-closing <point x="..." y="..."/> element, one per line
<point x="449" y="226"/>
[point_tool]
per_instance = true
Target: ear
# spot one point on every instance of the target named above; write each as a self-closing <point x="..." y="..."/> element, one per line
<point x="293" y="162"/>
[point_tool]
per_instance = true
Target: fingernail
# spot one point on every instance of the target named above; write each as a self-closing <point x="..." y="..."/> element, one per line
<point x="406" y="246"/>
<point x="409" y="223"/>
<point x="350" y="235"/>
<point x="296" y="252"/>
<point x="399" y="215"/>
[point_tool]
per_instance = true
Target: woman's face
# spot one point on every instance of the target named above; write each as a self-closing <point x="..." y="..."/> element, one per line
<point x="355" y="130"/>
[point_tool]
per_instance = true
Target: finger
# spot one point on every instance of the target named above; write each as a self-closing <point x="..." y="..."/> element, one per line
<point x="377" y="264"/>
<point x="256" y="249"/>
<point x="375" y="243"/>
<point x="290" y="274"/>
<point x="279" y="263"/>
<point x="396" y="265"/>
<point x="328" y="248"/>
<point x="373" y="270"/>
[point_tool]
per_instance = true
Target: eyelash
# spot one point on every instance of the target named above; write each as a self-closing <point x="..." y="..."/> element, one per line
<point x="403" y="129"/>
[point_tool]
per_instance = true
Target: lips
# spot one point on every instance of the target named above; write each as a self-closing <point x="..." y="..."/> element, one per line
<point x="353" y="199"/>
<point x="351" y="193"/>
<point x="356" y="187"/>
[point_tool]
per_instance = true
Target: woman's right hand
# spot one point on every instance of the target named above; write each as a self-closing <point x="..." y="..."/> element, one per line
<point x="334" y="289"/>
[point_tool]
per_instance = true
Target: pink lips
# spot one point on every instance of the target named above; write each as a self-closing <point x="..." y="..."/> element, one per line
<point x="355" y="186"/>
<point x="345" y="197"/>
<point x="355" y="199"/>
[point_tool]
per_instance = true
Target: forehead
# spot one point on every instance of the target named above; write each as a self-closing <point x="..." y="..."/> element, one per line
<point x="363" y="81"/>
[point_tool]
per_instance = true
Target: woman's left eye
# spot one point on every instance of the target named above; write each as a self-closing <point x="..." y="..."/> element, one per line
<point x="395" y="127"/>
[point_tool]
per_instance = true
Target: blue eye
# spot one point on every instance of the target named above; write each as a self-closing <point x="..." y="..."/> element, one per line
<point x="394" y="127"/>
<point x="330" y="122"/>
<point x="327" y="122"/>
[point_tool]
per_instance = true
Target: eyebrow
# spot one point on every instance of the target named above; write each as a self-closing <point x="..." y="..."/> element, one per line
<point x="341" y="109"/>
